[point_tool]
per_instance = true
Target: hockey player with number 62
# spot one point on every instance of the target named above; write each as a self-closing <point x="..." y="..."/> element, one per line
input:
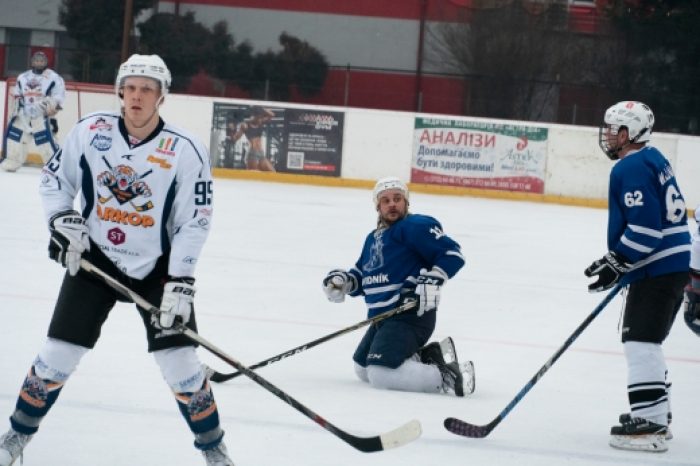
<point x="407" y="259"/>
<point x="145" y="188"/>
<point x="649" y="252"/>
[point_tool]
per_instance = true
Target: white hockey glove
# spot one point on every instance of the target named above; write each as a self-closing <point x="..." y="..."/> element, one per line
<point x="48" y="106"/>
<point x="337" y="284"/>
<point x="177" y="302"/>
<point x="428" y="289"/>
<point x="69" y="239"/>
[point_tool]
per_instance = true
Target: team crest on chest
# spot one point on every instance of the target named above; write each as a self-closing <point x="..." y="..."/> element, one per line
<point x="125" y="184"/>
<point x="376" y="257"/>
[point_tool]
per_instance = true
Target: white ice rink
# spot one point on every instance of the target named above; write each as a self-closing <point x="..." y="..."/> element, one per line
<point x="520" y="295"/>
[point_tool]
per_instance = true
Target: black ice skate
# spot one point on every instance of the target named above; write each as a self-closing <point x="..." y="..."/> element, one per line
<point x="627" y="417"/>
<point x="639" y="435"/>
<point x="452" y="372"/>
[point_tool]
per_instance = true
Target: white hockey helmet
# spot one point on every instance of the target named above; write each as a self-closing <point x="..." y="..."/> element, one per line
<point x="636" y="117"/>
<point x="386" y="184"/>
<point x="148" y="66"/>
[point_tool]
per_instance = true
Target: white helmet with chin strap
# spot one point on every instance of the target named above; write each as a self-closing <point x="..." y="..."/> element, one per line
<point x="636" y="117"/>
<point x="385" y="184"/>
<point x="147" y="66"/>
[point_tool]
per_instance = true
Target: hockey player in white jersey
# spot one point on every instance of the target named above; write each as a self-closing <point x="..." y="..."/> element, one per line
<point x="146" y="202"/>
<point x="407" y="258"/>
<point x="40" y="92"/>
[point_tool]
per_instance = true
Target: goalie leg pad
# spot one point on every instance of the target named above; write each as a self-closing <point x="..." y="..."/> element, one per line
<point x="44" y="140"/>
<point x="15" y="150"/>
<point x="53" y="366"/>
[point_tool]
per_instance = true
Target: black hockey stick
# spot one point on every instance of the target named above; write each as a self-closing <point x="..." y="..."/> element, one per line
<point x="396" y="438"/>
<point x="459" y="427"/>
<point x="215" y="376"/>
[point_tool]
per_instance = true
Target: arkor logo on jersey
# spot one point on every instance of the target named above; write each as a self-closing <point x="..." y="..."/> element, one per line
<point x="167" y="146"/>
<point x="110" y="214"/>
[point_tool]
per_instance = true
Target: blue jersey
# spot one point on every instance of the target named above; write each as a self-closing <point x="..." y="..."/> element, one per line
<point x="647" y="220"/>
<point x="392" y="258"/>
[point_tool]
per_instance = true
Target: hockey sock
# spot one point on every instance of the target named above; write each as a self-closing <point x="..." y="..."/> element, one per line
<point x="646" y="381"/>
<point x="55" y="363"/>
<point x="411" y="376"/>
<point x="200" y="411"/>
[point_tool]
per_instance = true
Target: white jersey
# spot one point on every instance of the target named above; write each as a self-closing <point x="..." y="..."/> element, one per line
<point x="140" y="199"/>
<point x="31" y="89"/>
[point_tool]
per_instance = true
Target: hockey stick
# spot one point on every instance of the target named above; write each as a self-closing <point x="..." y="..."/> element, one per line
<point x="459" y="427"/>
<point x="215" y="376"/>
<point x="396" y="438"/>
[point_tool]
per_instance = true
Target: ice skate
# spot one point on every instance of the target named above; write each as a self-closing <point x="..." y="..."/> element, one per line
<point x="454" y="377"/>
<point x="217" y="456"/>
<point x="12" y="445"/>
<point x="435" y="353"/>
<point x="639" y="435"/>
<point x="627" y="417"/>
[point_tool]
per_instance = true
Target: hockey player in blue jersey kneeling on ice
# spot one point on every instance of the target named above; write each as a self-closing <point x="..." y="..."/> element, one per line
<point x="406" y="260"/>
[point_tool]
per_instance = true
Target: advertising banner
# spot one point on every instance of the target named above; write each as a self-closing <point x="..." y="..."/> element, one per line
<point x="290" y="140"/>
<point x="480" y="155"/>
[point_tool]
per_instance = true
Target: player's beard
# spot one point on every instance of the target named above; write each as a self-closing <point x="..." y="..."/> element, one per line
<point x="387" y="222"/>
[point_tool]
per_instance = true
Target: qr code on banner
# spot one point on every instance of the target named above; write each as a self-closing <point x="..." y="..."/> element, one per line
<point x="295" y="160"/>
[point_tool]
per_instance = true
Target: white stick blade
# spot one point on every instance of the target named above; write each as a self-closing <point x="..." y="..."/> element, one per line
<point x="401" y="436"/>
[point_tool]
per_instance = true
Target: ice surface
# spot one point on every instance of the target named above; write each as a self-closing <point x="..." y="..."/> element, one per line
<point x="520" y="295"/>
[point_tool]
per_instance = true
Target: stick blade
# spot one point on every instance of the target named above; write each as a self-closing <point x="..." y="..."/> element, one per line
<point x="401" y="436"/>
<point x="394" y="439"/>
<point x="465" y="429"/>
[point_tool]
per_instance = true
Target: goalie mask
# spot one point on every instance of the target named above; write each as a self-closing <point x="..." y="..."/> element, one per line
<point x="636" y="117"/>
<point x="147" y="66"/>
<point x="39" y="62"/>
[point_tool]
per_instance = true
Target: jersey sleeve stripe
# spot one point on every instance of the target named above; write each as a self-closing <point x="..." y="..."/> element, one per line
<point x="636" y="246"/>
<point x="645" y="231"/>
<point x="675" y="230"/>
<point x="662" y="254"/>
<point x="455" y="253"/>
<point x="381" y="289"/>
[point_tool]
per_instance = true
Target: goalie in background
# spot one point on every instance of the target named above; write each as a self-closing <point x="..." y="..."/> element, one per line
<point x="39" y="93"/>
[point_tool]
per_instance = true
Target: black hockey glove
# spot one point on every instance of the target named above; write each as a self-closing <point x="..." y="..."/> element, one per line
<point x="691" y="313"/>
<point x="609" y="270"/>
<point x="69" y="239"/>
<point x="409" y="298"/>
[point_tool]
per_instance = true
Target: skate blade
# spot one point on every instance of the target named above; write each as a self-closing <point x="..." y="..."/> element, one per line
<point x="467" y="370"/>
<point x="447" y="346"/>
<point x="648" y="443"/>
